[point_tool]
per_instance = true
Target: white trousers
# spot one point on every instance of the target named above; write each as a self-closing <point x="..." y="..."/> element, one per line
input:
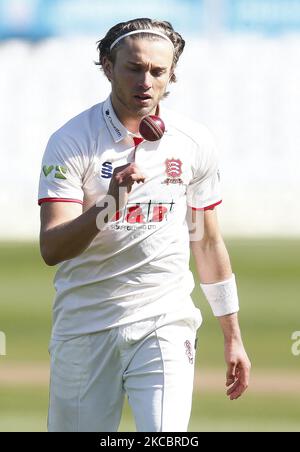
<point x="150" y="361"/>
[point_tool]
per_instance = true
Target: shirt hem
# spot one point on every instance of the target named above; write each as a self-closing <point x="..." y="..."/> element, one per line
<point x="210" y="207"/>
<point x="43" y="200"/>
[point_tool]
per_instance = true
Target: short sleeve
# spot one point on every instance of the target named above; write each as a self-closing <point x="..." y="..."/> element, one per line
<point x="204" y="190"/>
<point x="62" y="172"/>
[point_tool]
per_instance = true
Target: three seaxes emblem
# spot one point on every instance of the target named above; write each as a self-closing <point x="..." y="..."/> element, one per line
<point x="174" y="171"/>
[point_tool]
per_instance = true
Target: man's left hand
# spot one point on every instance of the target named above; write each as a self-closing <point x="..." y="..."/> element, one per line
<point x="238" y="369"/>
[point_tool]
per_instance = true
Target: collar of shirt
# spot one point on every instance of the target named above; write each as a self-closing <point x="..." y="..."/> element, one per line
<point x="116" y="128"/>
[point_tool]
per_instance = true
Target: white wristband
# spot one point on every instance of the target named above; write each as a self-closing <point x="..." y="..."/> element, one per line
<point x="222" y="296"/>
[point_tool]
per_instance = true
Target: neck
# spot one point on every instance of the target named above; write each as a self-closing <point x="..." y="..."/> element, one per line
<point x="129" y="120"/>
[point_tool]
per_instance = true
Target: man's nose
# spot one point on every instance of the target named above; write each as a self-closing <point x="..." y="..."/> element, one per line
<point x="146" y="81"/>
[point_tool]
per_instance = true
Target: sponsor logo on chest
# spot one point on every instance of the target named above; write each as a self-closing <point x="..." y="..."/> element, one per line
<point x="106" y="170"/>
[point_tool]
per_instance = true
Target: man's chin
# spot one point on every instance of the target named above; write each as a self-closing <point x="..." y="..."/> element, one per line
<point x="145" y="111"/>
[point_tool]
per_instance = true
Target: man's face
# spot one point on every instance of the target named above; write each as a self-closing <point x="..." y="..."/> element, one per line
<point x="140" y="75"/>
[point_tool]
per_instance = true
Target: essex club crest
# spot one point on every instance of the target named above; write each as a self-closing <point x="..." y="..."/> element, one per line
<point x="174" y="171"/>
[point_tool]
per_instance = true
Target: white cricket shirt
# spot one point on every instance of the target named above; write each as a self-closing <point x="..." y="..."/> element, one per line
<point x="138" y="266"/>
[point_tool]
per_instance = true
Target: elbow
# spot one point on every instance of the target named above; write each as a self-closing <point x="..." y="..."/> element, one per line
<point x="48" y="255"/>
<point x="207" y="247"/>
<point x="207" y="243"/>
<point x="211" y="243"/>
<point x="49" y="259"/>
<point x="50" y="262"/>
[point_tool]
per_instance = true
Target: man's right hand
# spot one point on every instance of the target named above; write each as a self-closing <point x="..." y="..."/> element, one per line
<point x="66" y="231"/>
<point x="122" y="181"/>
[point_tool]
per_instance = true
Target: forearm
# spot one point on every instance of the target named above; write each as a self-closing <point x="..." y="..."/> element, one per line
<point x="215" y="267"/>
<point x="62" y="240"/>
<point x="211" y="260"/>
<point x="71" y="238"/>
<point x="230" y="327"/>
<point x="216" y="277"/>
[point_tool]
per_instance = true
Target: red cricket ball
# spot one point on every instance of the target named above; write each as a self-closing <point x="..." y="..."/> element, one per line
<point x="152" y="128"/>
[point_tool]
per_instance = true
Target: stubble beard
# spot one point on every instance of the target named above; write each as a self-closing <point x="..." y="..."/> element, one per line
<point x="135" y="111"/>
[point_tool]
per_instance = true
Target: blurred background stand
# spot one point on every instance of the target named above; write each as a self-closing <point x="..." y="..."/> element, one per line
<point x="239" y="75"/>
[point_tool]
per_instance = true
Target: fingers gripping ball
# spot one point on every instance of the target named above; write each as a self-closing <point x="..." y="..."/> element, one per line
<point x="152" y="128"/>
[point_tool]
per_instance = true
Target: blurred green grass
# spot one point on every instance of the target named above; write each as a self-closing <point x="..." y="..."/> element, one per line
<point x="267" y="272"/>
<point x="25" y="409"/>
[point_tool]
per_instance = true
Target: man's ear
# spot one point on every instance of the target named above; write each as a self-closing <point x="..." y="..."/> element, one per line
<point x="107" y="68"/>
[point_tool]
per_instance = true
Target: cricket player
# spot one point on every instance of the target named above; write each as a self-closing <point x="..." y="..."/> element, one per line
<point x="119" y="215"/>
